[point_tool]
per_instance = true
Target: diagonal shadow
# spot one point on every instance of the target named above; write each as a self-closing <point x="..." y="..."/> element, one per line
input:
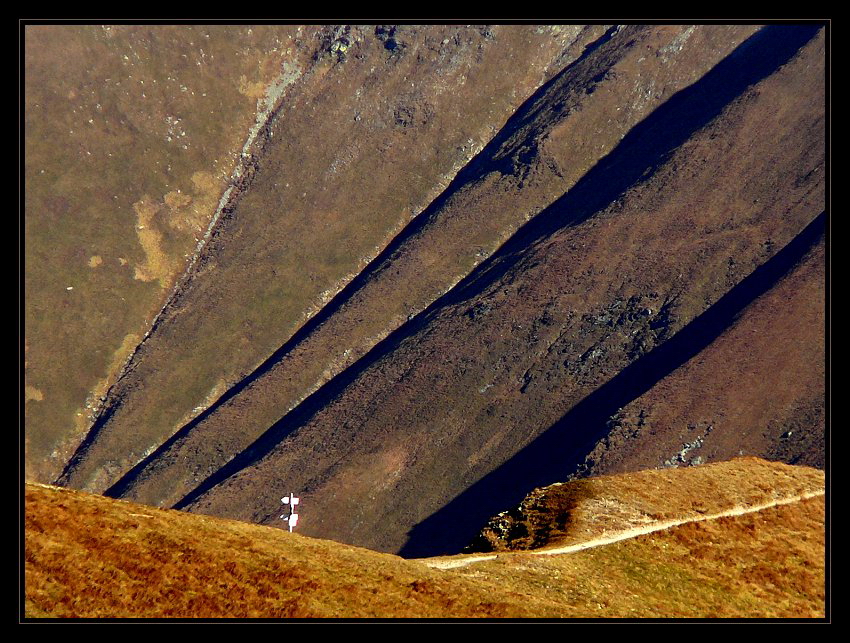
<point x="644" y="149"/>
<point x="557" y="452"/>
<point x="490" y="158"/>
<point x="649" y="144"/>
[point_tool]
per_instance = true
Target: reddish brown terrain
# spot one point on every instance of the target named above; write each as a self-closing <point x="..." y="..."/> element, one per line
<point x="361" y="145"/>
<point x="466" y="226"/>
<point x="461" y="263"/>
<point x="742" y="406"/>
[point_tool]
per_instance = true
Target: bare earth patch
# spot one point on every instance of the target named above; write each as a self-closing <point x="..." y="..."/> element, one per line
<point x="31" y="393"/>
<point x="157" y="265"/>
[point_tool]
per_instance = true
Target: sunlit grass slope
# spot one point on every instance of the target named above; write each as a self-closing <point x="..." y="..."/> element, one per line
<point x="93" y="557"/>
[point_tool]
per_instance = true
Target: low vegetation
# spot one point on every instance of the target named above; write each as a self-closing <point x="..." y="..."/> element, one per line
<point x="585" y="509"/>
<point x="131" y="135"/>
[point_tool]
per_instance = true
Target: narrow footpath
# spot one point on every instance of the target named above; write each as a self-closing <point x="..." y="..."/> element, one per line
<point x="625" y="534"/>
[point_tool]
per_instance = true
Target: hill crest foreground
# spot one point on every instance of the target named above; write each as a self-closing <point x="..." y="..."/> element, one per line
<point x="89" y="556"/>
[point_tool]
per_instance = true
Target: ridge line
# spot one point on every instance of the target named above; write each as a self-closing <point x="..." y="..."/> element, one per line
<point x="634" y="532"/>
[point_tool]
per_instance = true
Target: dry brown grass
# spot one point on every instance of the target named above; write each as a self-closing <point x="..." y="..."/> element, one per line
<point x="585" y="509"/>
<point x="93" y="557"/>
<point x="769" y="564"/>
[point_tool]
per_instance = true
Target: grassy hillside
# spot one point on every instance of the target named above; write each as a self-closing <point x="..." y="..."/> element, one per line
<point x="420" y="275"/>
<point x="91" y="557"/>
<point x="589" y="508"/>
<point x="362" y="143"/>
<point x="520" y="172"/>
<point x="761" y="389"/>
<point x="132" y="134"/>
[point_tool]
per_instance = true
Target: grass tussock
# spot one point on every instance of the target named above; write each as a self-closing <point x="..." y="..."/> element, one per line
<point x="91" y="557"/>
<point x="769" y="564"/>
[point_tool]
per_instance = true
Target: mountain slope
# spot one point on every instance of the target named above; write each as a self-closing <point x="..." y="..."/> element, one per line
<point x="761" y="388"/>
<point x="646" y="243"/>
<point x="133" y="141"/>
<point x="453" y="264"/>
<point x="520" y="172"/>
<point x="360" y="145"/>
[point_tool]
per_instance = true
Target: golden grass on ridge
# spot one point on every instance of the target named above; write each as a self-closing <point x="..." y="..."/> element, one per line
<point x="94" y="557"/>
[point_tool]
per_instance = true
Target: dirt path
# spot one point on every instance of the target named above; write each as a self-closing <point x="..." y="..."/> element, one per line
<point x="628" y="533"/>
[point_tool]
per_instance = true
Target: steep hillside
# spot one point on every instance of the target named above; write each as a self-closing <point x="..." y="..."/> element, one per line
<point x="761" y="388"/>
<point x="133" y="141"/>
<point x="516" y="176"/>
<point x="494" y="389"/>
<point x="87" y="556"/>
<point x="360" y="146"/>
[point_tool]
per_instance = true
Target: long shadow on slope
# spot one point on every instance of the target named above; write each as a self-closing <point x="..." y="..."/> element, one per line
<point x="637" y="156"/>
<point x="558" y="452"/>
<point x="491" y="158"/>
<point x="648" y="145"/>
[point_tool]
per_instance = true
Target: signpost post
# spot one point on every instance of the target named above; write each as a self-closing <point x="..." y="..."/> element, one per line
<point x="291" y="502"/>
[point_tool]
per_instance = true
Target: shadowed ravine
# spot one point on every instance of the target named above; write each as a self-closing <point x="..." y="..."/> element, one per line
<point x="557" y="453"/>
<point x="647" y="146"/>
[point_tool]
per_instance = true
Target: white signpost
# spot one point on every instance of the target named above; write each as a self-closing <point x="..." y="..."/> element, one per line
<point x="292" y="518"/>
